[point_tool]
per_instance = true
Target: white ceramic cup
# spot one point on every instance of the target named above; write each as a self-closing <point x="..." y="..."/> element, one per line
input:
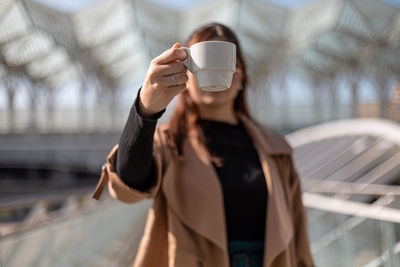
<point x="213" y="64"/>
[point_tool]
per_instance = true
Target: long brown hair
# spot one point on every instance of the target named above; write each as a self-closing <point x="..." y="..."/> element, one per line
<point x="186" y="114"/>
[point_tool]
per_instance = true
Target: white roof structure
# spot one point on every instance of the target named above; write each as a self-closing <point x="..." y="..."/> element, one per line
<point x="118" y="38"/>
<point x="345" y="33"/>
<point x="29" y="50"/>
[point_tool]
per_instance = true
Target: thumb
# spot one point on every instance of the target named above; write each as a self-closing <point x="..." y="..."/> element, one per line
<point x="176" y="45"/>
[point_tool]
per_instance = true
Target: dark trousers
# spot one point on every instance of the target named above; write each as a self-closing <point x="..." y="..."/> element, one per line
<point x="246" y="253"/>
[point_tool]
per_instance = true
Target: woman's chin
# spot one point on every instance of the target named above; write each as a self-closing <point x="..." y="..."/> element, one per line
<point x="213" y="99"/>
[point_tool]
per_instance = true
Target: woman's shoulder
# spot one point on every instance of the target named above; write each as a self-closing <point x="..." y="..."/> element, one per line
<point x="276" y="143"/>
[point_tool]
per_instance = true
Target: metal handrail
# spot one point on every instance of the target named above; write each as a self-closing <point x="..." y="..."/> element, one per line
<point x="353" y="208"/>
<point x="337" y="187"/>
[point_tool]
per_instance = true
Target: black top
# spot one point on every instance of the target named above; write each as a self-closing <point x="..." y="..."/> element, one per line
<point x="242" y="180"/>
<point x="241" y="177"/>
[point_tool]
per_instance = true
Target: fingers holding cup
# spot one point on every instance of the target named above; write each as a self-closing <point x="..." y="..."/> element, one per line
<point x="171" y="55"/>
<point x="175" y="79"/>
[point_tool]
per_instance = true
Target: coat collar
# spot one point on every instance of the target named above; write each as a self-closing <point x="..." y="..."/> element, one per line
<point x="272" y="143"/>
<point x="194" y="192"/>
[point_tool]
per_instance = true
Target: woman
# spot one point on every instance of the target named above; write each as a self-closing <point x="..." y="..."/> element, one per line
<point x="225" y="189"/>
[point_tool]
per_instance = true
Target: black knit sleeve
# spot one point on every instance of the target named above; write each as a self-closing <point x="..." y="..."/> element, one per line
<point x="134" y="154"/>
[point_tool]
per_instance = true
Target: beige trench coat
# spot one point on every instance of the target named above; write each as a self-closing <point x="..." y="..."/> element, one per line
<point x="186" y="224"/>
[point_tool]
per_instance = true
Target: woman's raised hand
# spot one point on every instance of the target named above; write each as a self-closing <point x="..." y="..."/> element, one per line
<point x="160" y="87"/>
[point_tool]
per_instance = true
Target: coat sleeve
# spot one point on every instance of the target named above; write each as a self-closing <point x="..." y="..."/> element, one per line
<point x="302" y="243"/>
<point x="121" y="191"/>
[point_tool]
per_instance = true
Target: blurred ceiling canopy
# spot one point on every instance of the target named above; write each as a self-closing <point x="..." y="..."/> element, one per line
<point x="115" y="40"/>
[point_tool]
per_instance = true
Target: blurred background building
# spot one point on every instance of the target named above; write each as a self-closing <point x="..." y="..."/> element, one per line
<point x="324" y="72"/>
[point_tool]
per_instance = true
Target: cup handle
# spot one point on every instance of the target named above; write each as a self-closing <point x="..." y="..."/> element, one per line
<point x="188" y="61"/>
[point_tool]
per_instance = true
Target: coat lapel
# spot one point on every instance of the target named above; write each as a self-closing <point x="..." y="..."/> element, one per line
<point x="194" y="192"/>
<point x="279" y="228"/>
